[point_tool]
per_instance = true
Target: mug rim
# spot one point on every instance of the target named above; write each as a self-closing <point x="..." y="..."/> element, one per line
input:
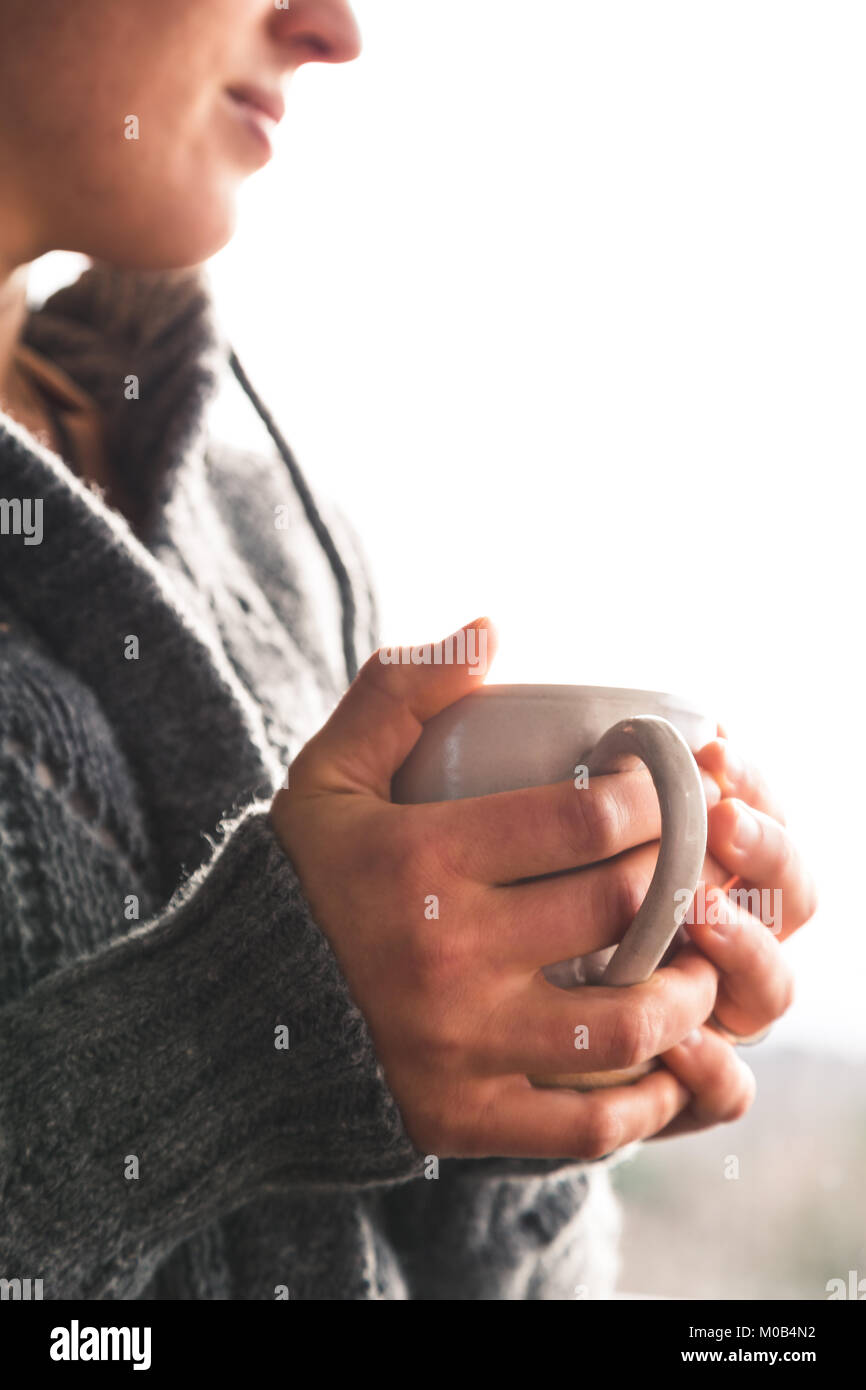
<point x="614" y="692"/>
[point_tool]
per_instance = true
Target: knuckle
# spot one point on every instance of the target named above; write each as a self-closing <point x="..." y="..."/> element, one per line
<point x="377" y="671"/>
<point x="377" y="680"/>
<point x="384" y="678"/>
<point x="631" y="886"/>
<point x="740" y="1101"/>
<point x="708" y="989"/>
<point x="701" y="982"/>
<point x="602" y="1129"/>
<point x="633" y="1035"/>
<point x="592" y="820"/>
<point x="785" y="856"/>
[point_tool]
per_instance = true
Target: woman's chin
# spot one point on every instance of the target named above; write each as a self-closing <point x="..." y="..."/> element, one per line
<point x="170" y="243"/>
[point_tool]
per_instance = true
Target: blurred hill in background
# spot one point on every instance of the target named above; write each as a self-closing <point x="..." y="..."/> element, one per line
<point x="795" y="1216"/>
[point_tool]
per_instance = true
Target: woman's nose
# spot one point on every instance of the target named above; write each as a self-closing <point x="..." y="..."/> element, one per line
<point x="316" y="31"/>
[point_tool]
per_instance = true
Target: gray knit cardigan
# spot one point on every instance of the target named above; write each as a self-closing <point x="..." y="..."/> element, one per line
<point x="155" y="947"/>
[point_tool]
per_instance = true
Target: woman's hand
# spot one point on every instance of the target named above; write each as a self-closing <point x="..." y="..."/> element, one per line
<point x="775" y="895"/>
<point x="442" y="940"/>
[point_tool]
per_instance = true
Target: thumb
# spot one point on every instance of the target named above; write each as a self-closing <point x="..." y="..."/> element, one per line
<point x="379" y="719"/>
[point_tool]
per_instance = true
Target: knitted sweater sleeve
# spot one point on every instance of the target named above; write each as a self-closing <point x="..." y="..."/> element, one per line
<point x="157" y="1074"/>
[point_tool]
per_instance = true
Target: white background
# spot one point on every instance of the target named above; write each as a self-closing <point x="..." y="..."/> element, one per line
<point x="566" y="302"/>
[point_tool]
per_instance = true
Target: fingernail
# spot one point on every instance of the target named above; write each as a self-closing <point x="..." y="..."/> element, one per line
<point x="691" y="1039"/>
<point x="747" y="830"/>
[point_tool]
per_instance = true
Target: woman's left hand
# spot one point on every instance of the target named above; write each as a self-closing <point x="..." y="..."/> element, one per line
<point x="747" y="838"/>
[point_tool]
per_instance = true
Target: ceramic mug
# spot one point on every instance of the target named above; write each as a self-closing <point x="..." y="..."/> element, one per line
<point x="507" y="737"/>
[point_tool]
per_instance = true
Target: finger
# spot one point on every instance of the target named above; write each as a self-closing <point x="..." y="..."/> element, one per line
<point x="526" y="1122"/>
<point x="761" y="851"/>
<point x="713" y="873"/>
<point x="721" y="1085"/>
<point x="756" y="982"/>
<point x="379" y="719"/>
<point x="737" y="777"/>
<point x="545" y="920"/>
<point x="542" y="1030"/>
<point x="539" y="921"/>
<point x="552" y="919"/>
<point x="506" y="837"/>
<point x="516" y="835"/>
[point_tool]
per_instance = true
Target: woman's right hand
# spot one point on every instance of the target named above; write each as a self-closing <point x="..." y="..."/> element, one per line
<point x="456" y="1003"/>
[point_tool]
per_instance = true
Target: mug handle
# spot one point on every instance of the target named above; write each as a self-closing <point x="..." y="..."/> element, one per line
<point x="677" y="780"/>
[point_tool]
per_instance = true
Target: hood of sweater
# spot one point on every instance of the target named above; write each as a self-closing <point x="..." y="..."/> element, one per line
<point x="158" y="327"/>
<point x="91" y="581"/>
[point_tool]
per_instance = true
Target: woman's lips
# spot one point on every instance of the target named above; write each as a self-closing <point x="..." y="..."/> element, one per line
<point x="259" y="109"/>
<point x="269" y="102"/>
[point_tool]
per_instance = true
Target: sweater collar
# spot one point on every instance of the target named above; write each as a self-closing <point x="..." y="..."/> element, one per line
<point x="146" y="346"/>
<point x="90" y="580"/>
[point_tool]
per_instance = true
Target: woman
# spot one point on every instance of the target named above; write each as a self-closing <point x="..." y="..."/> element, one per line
<point x="236" y="1064"/>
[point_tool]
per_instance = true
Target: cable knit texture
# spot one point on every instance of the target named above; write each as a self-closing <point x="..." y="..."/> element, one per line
<point x="191" y="1106"/>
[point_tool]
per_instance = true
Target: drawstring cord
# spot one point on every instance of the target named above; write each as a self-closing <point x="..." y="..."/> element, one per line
<point x="341" y="574"/>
